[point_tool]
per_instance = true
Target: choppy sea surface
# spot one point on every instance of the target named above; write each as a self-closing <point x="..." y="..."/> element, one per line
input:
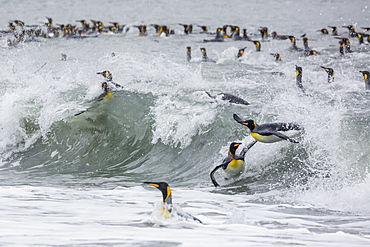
<point x="69" y="180"/>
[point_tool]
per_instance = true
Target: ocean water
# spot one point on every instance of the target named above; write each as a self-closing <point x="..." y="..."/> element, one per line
<point x="69" y="180"/>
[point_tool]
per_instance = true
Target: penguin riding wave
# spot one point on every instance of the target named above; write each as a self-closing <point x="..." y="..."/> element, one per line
<point x="233" y="164"/>
<point x="169" y="210"/>
<point x="270" y="132"/>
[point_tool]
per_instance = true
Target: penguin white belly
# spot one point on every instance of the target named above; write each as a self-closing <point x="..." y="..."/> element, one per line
<point x="272" y="138"/>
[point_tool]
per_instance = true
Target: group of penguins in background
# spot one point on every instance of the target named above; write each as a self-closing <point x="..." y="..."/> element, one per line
<point x="233" y="165"/>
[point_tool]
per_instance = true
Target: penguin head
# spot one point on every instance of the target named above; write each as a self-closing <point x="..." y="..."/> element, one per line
<point x="233" y="147"/>
<point x="203" y="51"/>
<point x="106" y="75"/>
<point x="251" y="124"/>
<point x="219" y="30"/>
<point x="188" y="49"/>
<point x="305" y="40"/>
<point x="323" y="31"/>
<point x="366" y="74"/>
<point x="165" y="189"/>
<point x="330" y="71"/>
<point x="298" y="70"/>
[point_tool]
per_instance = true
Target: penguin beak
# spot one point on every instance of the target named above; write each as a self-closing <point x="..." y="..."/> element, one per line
<point x="153" y="184"/>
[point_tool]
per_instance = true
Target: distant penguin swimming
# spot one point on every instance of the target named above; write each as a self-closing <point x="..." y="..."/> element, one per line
<point x="276" y="56"/>
<point x="324" y="31"/>
<point x="366" y="75"/>
<point x="205" y="58"/>
<point x="218" y="38"/>
<point x="109" y="80"/>
<point x="299" y="72"/>
<point x="305" y="44"/>
<point x="257" y="44"/>
<point x="347" y="44"/>
<point x="233" y="164"/>
<point x="204" y="29"/>
<point x="188" y="53"/>
<point x="168" y="207"/>
<point x="240" y="53"/>
<point x="229" y="97"/>
<point x="270" y="132"/>
<point x="294" y="46"/>
<point x="330" y="72"/>
<point x="334" y="30"/>
<point x="275" y="36"/>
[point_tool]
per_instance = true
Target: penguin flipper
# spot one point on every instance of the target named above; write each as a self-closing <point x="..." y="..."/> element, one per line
<point x="284" y="137"/>
<point x="213" y="172"/>
<point x="238" y="119"/>
<point x="250" y="145"/>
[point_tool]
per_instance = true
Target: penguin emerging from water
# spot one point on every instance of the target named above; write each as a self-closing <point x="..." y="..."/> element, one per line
<point x="347" y="44"/>
<point x="109" y="80"/>
<point x="167" y="207"/>
<point x="330" y="72"/>
<point x="236" y="34"/>
<point x="294" y="46"/>
<point x="341" y="48"/>
<point x="233" y="164"/>
<point x="188" y="53"/>
<point x="229" y="97"/>
<point x="299" y="72"/>
<point x="240" y="53"/>
<point x="351" y="30"/>
<point x="205" y="58"/>
<point x="257" y="44"/>
<point x="305" y="44"/>
<point x="270" y="132"/>
<point x="366" y="75"/>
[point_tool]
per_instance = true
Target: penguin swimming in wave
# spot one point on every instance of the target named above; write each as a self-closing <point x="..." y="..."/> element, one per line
<point x="233" y="164"/>
<point x="270" y="132"/>
<point x="229" y="97"/>
<point x="168" y="209"/>
<point x="366" y="75"/>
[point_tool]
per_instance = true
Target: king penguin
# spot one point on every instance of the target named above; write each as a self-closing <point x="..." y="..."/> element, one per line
<point x="298" y="73"/>
<point x="270" y="132"/>
<point x="257" y="44"/>
<point x="330" y="72"/>
<point x="205" y="58"/>
<point x="109" y="80"/>
<point x="168" y="208"/>
<point x="188" y="53"/>
<point x="233" y="164"/>
<point x="366" y="75"/>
